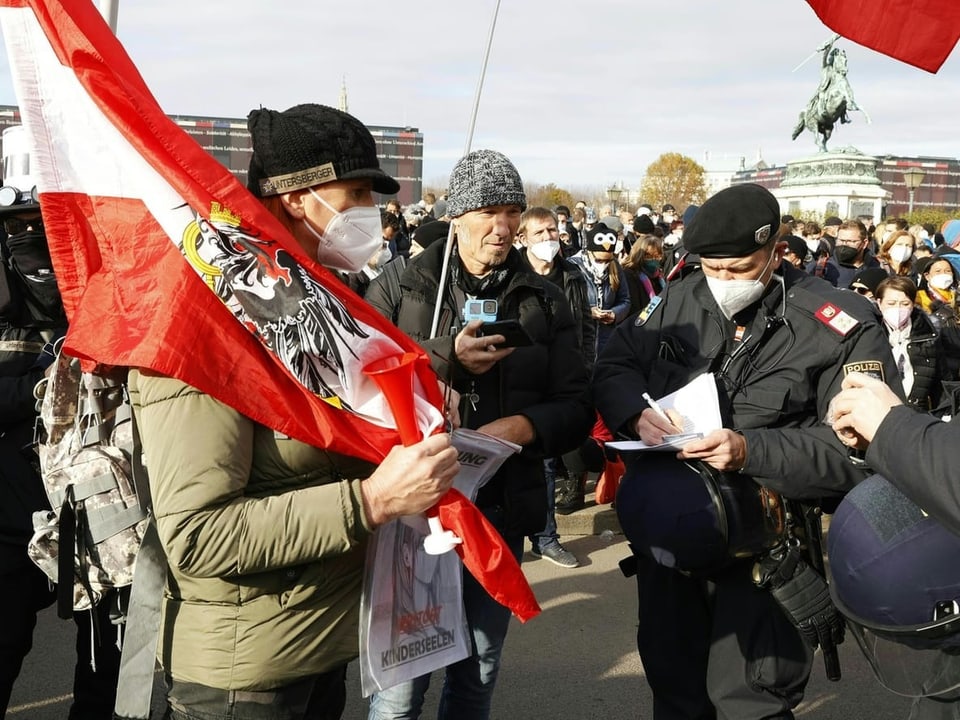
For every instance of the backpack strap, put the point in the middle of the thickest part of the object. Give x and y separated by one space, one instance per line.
139 655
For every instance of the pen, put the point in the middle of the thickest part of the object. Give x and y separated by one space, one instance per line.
655 406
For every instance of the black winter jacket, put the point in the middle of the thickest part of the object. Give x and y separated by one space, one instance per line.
545 382
928 358
575 288
21 490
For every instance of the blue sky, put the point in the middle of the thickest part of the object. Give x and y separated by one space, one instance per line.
579 94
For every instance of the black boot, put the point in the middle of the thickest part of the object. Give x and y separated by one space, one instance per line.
570 492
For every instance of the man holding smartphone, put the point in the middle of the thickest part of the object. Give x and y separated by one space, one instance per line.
530 393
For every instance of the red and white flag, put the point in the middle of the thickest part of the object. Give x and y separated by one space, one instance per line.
922 33
166 262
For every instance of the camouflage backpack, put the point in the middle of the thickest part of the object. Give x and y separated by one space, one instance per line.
87 461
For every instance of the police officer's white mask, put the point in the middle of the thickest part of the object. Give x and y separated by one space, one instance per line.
732 296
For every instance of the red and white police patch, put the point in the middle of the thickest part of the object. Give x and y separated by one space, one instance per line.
836 319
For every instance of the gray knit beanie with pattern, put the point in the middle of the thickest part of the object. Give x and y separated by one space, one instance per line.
483 178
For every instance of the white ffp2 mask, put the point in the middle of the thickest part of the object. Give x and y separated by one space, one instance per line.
350 238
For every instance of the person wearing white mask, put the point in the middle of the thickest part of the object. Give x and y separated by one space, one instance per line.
540 237
779 344
938 289
266 535
916 345
938 298
896 253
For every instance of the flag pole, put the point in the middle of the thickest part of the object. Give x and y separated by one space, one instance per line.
445 267
109 10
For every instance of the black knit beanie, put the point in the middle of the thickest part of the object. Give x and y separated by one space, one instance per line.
310 145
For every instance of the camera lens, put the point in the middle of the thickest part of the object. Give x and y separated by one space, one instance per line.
489 307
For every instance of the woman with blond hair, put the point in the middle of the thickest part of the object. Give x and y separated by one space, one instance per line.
896 253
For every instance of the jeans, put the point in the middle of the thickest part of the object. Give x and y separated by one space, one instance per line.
318 697
468 685
551 468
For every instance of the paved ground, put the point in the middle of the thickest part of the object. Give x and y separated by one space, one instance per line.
576 661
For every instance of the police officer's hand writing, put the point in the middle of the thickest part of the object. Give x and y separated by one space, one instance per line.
410 479
651 427
724 450
478 354
858 409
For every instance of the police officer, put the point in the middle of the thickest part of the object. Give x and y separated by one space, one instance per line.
894 543
779 342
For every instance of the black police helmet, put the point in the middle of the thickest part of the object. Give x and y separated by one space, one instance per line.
693 518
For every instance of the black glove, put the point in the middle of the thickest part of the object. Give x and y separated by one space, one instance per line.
804 597
806 600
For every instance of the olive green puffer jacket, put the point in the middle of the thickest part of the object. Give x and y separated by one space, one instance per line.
265 539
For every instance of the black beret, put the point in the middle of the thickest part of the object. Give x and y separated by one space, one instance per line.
643 225
668 208
832 221
797 246
737 221
430 232
309 145
869 278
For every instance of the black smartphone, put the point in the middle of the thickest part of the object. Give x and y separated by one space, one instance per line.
512 330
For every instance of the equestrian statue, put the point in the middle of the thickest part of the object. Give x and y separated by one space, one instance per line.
833 99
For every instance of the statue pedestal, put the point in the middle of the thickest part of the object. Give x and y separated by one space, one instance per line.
841 183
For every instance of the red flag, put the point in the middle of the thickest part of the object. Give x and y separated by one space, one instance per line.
166 262
922 33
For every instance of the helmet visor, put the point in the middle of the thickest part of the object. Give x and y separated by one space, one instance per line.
913 667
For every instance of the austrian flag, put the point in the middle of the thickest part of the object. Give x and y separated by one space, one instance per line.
166 262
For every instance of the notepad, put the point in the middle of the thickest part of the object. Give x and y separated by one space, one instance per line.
697 403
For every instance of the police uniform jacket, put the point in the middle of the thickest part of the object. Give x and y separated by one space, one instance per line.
797 343
546 381
920 454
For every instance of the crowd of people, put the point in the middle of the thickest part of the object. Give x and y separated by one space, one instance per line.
811 333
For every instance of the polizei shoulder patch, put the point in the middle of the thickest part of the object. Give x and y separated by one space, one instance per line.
873 368
836 319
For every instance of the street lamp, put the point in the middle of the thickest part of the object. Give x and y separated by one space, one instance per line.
912 177
613 193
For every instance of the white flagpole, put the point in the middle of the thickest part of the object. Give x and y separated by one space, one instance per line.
109 9
445 268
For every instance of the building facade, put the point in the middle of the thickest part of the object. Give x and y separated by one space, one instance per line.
939 188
